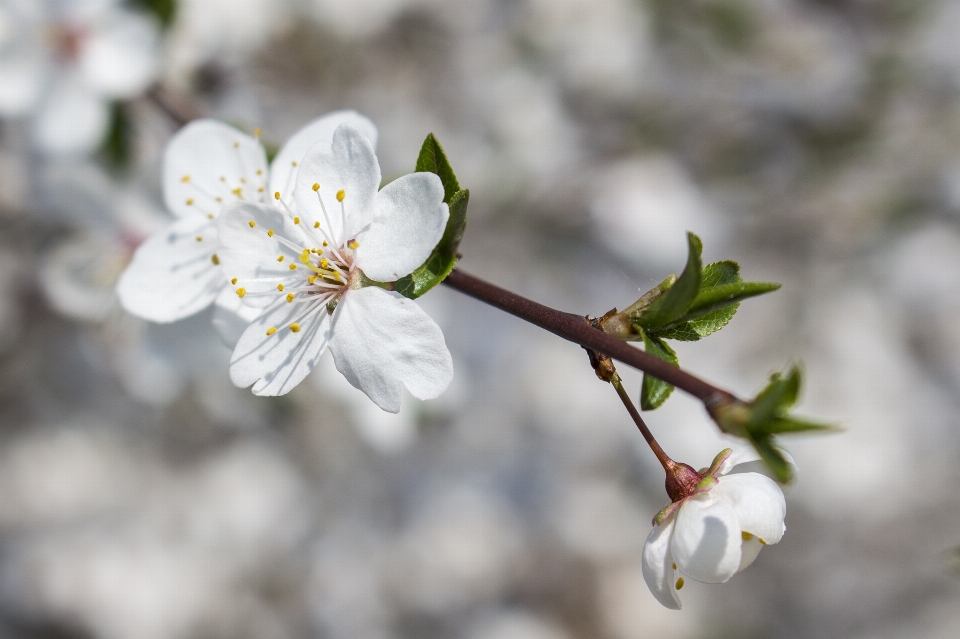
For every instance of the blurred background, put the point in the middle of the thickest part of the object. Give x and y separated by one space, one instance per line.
817 142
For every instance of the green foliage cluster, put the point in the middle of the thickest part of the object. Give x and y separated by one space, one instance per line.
701 301
766 416
432 159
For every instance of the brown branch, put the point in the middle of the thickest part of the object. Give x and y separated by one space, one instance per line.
576 329
173 105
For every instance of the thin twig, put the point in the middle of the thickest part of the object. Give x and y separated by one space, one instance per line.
575 329
173 106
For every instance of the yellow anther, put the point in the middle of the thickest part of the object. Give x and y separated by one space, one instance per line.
293 267
316 225
243 180
219 199
280 259
236 145
290 297
215 259
271 330
269 232
313 250
199 238
760 539
237 191
280 287
340 195
674 566
252 223
336 275
241 291
276 195
324 263
305 256
233 281
353 244
295 327
189 201
746 536
296 220
316 186
679 583
209 216
312 279
185 179
223 178
324 242
261 190
259 171
293 163
257 132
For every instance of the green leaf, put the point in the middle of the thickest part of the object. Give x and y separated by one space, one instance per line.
718 273
432 159
164 10
443 258
654 392
674 303
779 425
780 394
718 297
773 458
117 146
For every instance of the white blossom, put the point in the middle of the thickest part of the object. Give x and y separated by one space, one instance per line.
309 270
64 61
207 165
716 531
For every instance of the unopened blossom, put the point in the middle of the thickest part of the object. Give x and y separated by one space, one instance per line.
310 271
715 526
63 61
208 165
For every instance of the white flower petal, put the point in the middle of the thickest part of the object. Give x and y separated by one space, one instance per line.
658 567
204 165
72 118
382 341
349 165
22 76
252 255
231 316
706 539
172 275
410 219
276 363
283 171
748 552
121 55
758 503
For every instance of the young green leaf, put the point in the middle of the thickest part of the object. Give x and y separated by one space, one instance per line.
677 299
773 458
444 257
779 425
432 159
774 400
164 10
654 392
117 146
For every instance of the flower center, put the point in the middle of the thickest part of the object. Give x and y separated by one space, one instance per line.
323 270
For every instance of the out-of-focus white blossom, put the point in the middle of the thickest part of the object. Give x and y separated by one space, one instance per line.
63 61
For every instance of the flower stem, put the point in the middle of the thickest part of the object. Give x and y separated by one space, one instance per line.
576 329
665 461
